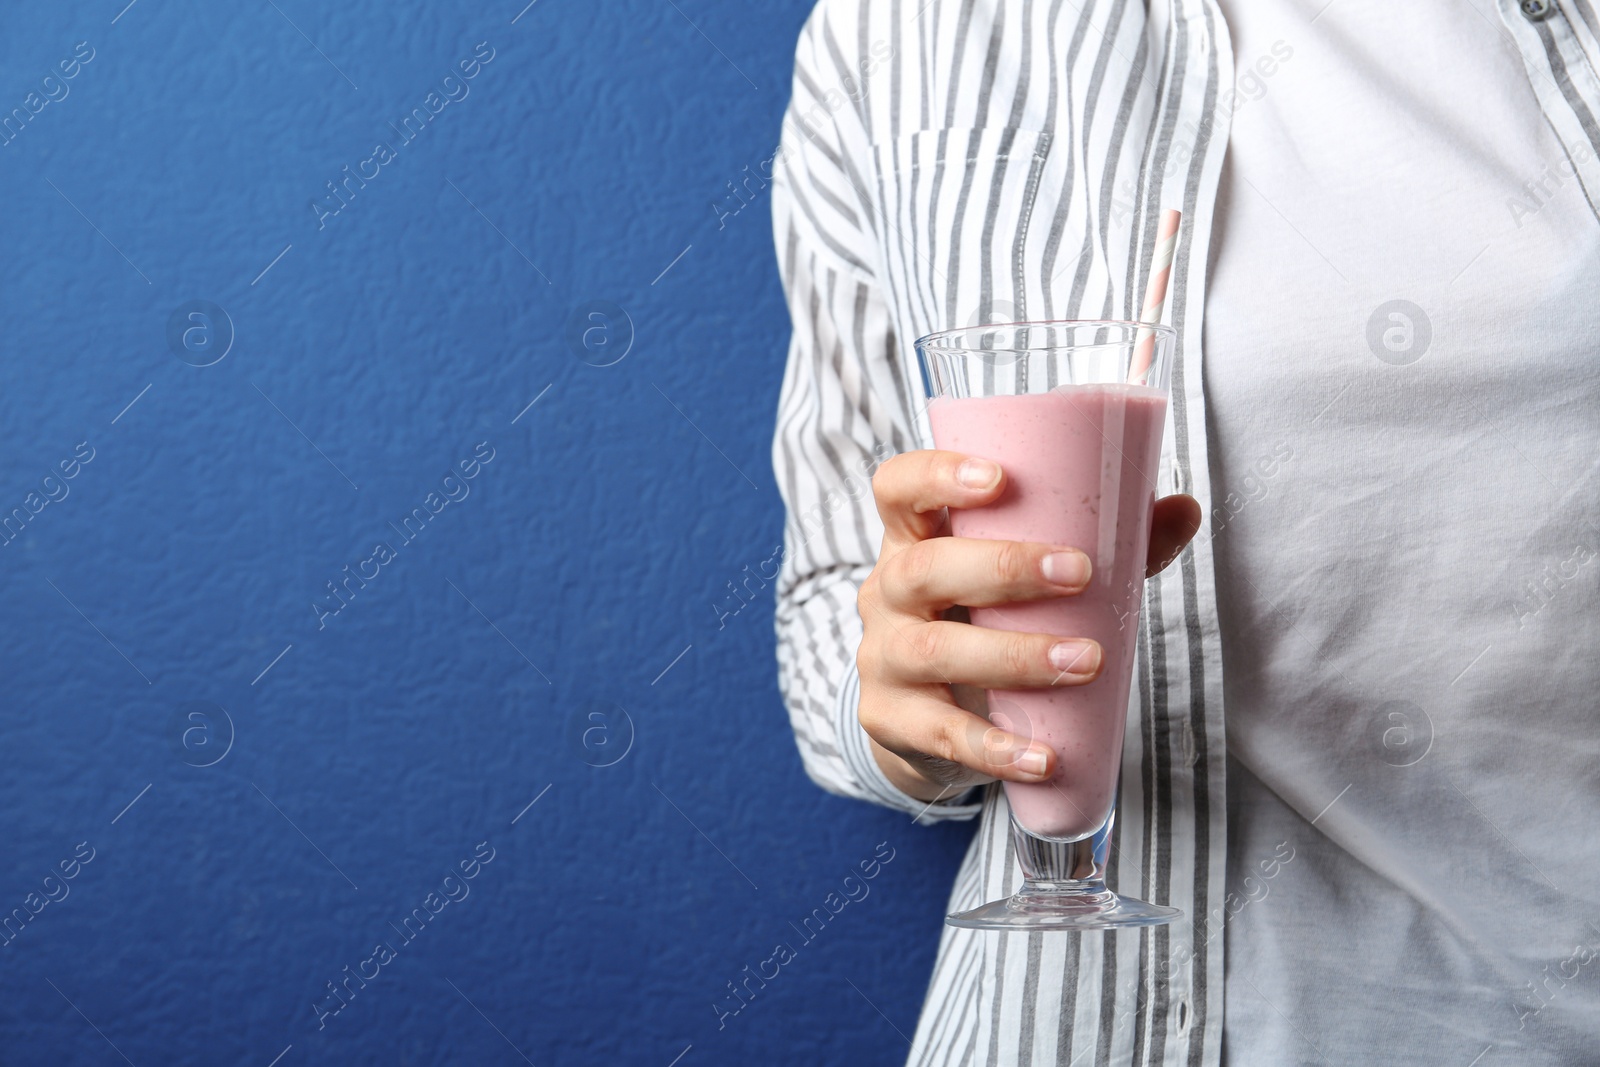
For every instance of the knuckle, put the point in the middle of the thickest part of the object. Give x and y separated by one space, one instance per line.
871 716
914 570
868 659
1013 562
928 644
867 595
948 740
888 476
880 481
1018 657
877 659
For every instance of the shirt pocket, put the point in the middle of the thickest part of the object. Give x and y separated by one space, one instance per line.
956 230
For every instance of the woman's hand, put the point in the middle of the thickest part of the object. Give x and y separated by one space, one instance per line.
923 668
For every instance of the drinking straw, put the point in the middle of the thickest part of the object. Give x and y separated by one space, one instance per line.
1155 294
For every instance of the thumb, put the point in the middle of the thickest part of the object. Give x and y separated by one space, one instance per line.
1173 524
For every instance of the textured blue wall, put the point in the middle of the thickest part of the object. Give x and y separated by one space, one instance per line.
265 787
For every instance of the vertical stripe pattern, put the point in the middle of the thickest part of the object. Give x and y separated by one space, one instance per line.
946 164
1560 53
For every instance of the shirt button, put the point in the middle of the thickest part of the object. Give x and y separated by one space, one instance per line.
1537 10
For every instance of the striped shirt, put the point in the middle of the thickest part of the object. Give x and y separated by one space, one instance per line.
945 164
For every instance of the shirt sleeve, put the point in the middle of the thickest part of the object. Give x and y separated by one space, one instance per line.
845 407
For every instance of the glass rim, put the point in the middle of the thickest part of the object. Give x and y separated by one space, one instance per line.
937 340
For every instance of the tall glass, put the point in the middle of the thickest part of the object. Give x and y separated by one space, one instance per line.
1073 412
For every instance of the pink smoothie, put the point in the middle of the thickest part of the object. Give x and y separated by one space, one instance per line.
1081 463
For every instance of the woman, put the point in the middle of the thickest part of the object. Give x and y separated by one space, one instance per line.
1362 749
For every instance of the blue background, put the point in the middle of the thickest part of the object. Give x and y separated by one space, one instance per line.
161 613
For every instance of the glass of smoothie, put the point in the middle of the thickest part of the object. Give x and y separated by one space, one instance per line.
1073 412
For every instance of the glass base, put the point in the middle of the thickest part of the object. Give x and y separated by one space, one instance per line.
1063 888
1086 905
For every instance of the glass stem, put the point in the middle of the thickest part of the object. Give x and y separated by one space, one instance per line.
1073 865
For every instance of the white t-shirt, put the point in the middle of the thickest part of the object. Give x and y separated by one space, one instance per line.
1404 393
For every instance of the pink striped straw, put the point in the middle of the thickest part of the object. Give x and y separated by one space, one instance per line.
1155 294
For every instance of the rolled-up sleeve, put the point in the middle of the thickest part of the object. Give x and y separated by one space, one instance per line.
845 407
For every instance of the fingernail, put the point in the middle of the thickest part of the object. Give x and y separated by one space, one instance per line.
1069 568
1032 761
1075 657
978 474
